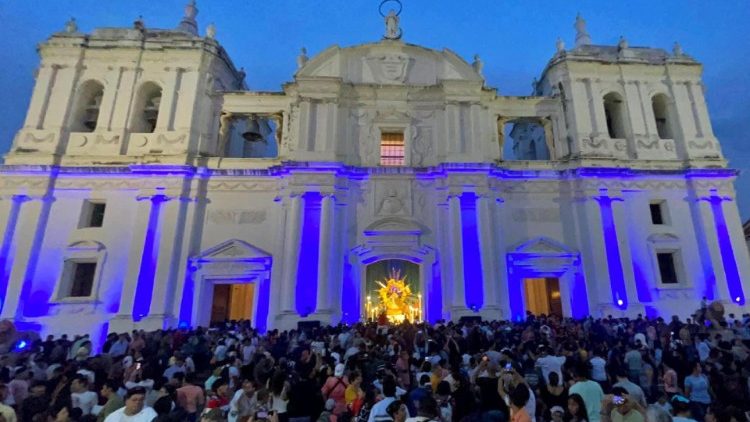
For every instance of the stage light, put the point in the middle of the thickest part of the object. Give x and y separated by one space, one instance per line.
619 302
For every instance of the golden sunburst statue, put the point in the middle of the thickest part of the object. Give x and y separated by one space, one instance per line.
397 301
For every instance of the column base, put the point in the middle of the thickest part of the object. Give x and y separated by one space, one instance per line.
325 316
461 311
633 309
285 321
121 324
157 322
491 313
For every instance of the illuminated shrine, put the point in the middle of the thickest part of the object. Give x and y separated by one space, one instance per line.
150 187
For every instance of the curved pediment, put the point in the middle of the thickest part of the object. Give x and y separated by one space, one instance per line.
663 238
393 226
389 63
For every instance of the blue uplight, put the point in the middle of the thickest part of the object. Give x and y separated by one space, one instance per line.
612 247
734 282
145 288
472 255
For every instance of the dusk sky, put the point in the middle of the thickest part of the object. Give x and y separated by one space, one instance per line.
514 39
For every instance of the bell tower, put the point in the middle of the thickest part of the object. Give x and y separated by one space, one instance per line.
126 95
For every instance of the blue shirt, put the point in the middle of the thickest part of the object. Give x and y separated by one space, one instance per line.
698 386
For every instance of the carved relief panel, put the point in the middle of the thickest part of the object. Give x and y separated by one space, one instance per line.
392 197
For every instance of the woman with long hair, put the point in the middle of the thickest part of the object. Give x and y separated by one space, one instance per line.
576 409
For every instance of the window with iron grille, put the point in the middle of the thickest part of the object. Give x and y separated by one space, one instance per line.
392 149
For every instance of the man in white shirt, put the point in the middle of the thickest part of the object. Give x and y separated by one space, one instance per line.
549 363
81 396
378 411
135 409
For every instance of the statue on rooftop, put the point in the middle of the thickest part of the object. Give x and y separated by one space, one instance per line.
71 26
211 31
582 36
392 31
560 45
302 58
478 64
677 50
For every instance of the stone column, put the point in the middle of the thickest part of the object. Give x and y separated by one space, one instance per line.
170 259
325 243
11 212
169 97
40 98
741 285
718 229
23 257
455 243
147 211
612 250
291 253
490 307
502 284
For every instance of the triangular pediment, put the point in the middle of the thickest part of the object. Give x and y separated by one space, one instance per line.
543 246
234 249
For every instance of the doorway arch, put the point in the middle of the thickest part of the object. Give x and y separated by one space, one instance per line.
232 262
391 238
542 258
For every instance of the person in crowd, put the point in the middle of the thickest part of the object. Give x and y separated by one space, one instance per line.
468 369
244 402
81 396
635 392
698 390
681 409
36 403
553 394
620 407
135 409
113 400
354 394
519 397
191 397
397 411
590 391
335 388
6 412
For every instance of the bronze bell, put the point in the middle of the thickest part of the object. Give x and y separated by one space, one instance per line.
252 133
91 113
151 112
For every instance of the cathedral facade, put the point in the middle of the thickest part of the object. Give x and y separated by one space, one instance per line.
149 188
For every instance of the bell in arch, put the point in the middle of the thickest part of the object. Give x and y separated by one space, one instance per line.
91 114
252 132
151 112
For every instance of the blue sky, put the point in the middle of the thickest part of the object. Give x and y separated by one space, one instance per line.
515 38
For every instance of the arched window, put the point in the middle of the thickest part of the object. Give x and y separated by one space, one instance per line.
146 111
614 113
86 114
660 105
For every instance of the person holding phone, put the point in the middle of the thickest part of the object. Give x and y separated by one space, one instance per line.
623 407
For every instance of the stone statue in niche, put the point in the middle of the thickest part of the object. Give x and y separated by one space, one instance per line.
391 204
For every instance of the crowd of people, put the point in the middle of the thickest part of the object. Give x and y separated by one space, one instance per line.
538 370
